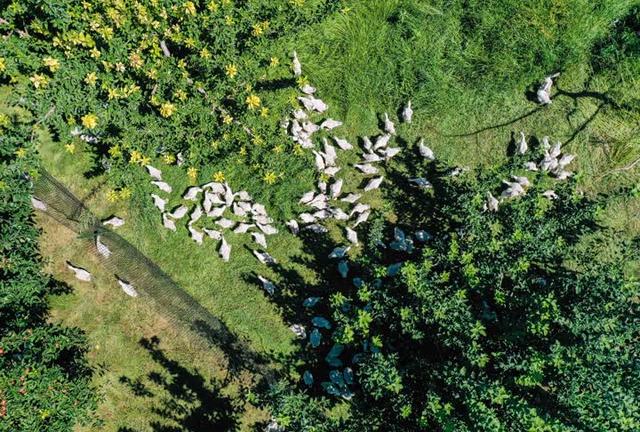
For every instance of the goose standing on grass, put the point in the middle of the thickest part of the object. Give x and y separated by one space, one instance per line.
308 89
425 151
155 173
267 285
264 257
102 248
389 127
492 203
163 186
550 194
192 193
225 250
362 218
260 239
297 67
330 124
37 204
351 198
352 236
522 144
196 235
114 221
544 92
407 113
293 226
374 183
158 202
179 212
343 143
127 288
366 168
165 50
79 272
216 235
336 188
168 223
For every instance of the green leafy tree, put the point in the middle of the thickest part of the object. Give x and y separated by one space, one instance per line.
45 381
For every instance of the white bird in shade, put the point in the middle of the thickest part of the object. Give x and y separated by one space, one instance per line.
260 239
339 252
158 202
421 182
514 189
267 229
492 203
381 141
366 168
330 123
391 152
267 285
243 227
389 127
163 186
351 198
179 212
316 229
299 331
192 193
216 235
127 288
37 204
79 272
563 175
293 226
367 144
102 248
550 194
524 181
168 223
362 218
544 91
352 236
264 257
360 208
113 221
374 183
165 50
308 89
407 113
522 144
322 214
225 223
425 151
155 173
343 143
196 235
225 250
307 197
336 188
297 67
531 166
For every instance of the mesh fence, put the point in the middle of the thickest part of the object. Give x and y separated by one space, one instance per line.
152 284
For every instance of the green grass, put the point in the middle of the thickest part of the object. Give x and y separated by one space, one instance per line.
466 72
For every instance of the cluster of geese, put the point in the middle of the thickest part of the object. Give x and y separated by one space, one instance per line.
553 162
213 200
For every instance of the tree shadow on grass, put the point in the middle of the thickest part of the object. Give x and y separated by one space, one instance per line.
184 400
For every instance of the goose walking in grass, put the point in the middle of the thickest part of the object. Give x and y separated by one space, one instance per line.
391 152
524 181
531 166
563 175
556 150
38 205
381 141
225 250
179 212
264 257
196 236
389 127
243 227
293 226
371 158
297 67
79 272
544 92
196 214
192 193
343 143
352 236
127 288
360 208
491 203
336 189
339 214
330 124
225 223
165 50
168 223
362 218
522 146
308 89
267 229
425 151
550 194
163 186
113 221
319 161
216 212
307 218
228 195
155 173
102 248
366 168
158 202
351 198
565 160
373 184
260 239
307 197
332 171
513 189
311 103
267 285
407 113
213 234
367 144
215 187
